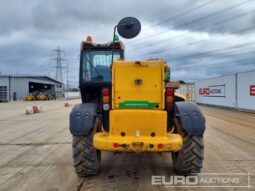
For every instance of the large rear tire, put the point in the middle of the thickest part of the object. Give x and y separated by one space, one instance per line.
190 158
86 159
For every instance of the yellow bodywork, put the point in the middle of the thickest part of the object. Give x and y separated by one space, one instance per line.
41 97
137 131
151 74
29 97
138 121
180 96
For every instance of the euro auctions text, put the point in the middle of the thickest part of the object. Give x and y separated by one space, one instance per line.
204 180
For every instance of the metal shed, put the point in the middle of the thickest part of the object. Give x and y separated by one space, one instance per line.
16 87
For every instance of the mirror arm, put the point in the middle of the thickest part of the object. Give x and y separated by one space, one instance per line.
113 41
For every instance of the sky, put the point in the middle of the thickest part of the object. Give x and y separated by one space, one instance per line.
198 39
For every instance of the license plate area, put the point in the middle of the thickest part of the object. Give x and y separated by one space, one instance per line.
138 146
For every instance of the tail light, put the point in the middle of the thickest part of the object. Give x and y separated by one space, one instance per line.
169 99
106 98
160 146
115 145
170 91
106 91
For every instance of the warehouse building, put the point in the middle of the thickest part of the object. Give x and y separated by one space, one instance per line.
16 87
235 91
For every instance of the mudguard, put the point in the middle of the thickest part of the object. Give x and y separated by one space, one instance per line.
191 118
82 118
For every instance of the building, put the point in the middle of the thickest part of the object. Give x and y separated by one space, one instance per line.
16 87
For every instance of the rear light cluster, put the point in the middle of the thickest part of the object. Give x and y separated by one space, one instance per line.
106 98
169 99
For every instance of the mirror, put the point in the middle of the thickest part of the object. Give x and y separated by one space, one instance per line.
129 27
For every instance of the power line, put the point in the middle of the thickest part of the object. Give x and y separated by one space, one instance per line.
197 68
193 43
213 51
161 11
199 19
195 56
169 50
180 15
213 64
213 56
43 65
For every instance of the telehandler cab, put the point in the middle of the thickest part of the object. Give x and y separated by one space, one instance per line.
127 107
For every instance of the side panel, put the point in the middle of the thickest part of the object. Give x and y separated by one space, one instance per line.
20 87
246 90
191 117
82 118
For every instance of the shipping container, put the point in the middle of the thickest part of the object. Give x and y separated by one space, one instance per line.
187 90
246 90
72 95
235 91
217 91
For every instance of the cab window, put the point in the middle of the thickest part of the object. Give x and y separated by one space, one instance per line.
96 65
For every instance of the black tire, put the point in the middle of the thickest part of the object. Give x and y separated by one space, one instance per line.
190 158
86 158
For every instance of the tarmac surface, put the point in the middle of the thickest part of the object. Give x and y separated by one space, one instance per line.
36 153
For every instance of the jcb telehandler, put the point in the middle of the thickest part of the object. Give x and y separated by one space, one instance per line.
127 107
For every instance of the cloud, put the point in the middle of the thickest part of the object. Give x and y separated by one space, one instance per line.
30 30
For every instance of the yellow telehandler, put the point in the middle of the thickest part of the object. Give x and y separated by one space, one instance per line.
127 107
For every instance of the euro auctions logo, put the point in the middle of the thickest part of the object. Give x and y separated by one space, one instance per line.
214 180
252 90
213 91
204 91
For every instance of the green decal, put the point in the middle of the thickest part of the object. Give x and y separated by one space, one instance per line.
137 104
